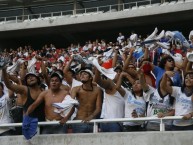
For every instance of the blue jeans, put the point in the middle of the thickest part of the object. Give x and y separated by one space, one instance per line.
111 127
82 128
182 128
54 129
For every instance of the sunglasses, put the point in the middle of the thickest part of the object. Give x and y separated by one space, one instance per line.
170 60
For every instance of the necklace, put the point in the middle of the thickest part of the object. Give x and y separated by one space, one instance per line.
53 94
88 89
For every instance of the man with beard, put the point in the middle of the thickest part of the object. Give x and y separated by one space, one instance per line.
89 98
29 93
53 95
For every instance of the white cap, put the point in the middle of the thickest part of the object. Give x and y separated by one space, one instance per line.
87 71
189 56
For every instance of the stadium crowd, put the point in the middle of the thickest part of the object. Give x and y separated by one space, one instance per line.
131 77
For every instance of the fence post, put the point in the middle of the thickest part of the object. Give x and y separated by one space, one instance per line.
95 127
162 125
38 130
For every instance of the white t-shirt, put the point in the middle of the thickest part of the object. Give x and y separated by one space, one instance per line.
134 103
75 83
5 106
183 106
114 106
120 38
157 104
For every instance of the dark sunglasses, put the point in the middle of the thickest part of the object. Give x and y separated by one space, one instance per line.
170 60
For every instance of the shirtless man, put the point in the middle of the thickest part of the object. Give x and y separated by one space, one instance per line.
89 98
53 95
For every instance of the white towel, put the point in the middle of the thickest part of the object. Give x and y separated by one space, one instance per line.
191 34
109 73
31 65
15 67
65 106
153 35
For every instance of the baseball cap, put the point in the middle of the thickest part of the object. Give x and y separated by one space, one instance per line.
88 71
56 74
33 74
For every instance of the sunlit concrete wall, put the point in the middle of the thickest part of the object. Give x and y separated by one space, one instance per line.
77 19
140 138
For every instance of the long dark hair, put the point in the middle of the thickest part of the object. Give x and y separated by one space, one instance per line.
2 86
184 84
134 92
171 98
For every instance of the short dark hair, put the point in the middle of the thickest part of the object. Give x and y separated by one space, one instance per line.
164 60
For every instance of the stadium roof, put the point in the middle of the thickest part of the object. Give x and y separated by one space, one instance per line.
21 3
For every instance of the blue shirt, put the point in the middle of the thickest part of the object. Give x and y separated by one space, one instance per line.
158 72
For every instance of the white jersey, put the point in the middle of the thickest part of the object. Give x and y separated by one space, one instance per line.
157 104
183 106
114 106
4 111
134 103
76 83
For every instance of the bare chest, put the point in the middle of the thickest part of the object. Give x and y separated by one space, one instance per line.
86 96
50 99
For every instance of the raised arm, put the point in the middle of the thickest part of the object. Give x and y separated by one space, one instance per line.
115 58
14 79
67 67
127 61
184 64
15 88
146 53
101 82
119 82
66 72
23 70
142 81
167 88
45 73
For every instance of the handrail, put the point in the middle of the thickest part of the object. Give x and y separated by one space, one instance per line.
85 10
96 121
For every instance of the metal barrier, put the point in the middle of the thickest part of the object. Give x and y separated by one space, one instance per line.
97 121
108 8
